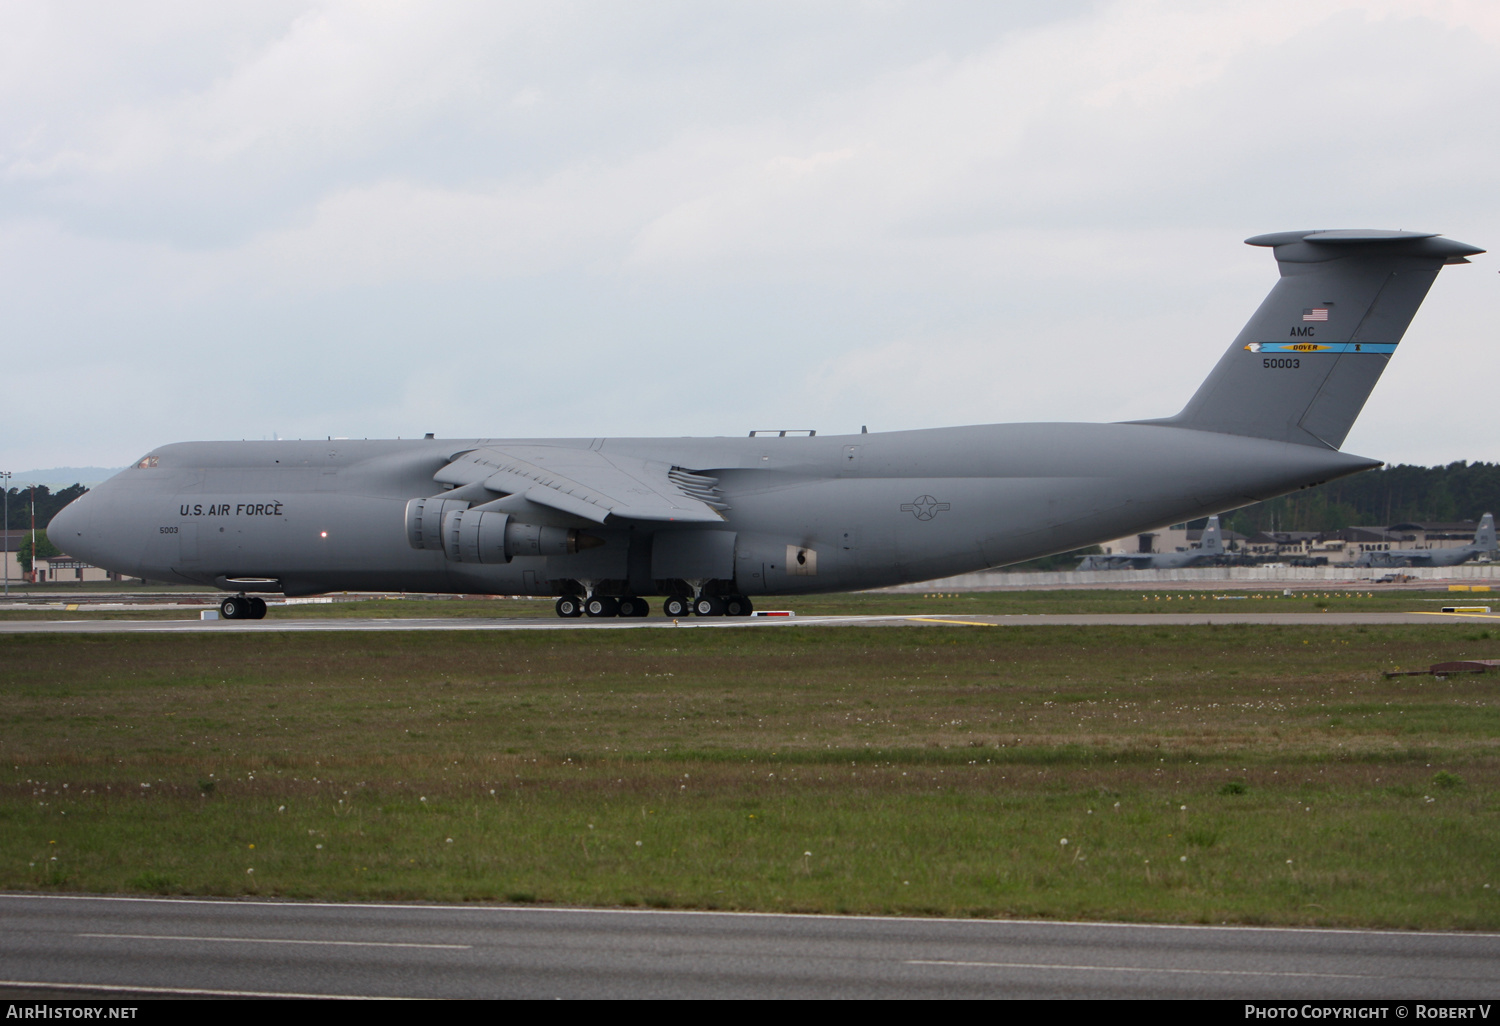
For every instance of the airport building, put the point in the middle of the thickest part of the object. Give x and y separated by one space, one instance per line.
1334 548
65 569
61 569
1169 539
10 544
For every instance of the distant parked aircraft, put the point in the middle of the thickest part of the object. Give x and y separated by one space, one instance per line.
1209 548
1484 542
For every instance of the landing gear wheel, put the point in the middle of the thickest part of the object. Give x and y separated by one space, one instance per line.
632 606
569 607
738 605
708 605
257 608
235 608
602 605
675 606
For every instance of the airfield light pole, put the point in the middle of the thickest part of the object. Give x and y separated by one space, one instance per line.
33 534
5 487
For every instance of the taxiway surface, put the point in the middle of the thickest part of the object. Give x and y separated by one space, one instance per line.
76 945
100 626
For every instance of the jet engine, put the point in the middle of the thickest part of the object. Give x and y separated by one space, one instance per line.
485 536
488 536
424 520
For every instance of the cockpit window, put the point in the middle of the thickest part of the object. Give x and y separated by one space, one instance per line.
147 462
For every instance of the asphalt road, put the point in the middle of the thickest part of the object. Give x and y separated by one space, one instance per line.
62 946
94 626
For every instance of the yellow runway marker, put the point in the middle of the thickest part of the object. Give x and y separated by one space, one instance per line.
956 623
1475 616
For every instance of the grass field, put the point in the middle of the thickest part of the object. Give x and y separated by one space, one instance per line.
1195 774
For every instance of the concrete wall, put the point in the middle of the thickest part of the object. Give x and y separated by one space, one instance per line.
1235 576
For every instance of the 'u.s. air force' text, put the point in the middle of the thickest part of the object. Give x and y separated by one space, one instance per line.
222 509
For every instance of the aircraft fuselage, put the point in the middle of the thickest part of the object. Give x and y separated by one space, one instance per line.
805 514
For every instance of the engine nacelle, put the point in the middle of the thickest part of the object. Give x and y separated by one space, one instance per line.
424 520
487 536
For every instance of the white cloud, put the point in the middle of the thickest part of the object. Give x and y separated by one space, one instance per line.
679 218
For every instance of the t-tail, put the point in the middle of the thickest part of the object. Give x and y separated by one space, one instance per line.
1304 365
1484 537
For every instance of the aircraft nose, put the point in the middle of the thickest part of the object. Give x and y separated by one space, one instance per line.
69 529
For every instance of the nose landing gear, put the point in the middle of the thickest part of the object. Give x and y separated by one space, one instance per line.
243 607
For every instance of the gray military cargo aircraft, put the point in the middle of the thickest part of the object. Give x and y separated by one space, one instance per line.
1482 545
712 523
1209 548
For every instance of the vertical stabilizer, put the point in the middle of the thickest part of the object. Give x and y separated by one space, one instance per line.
1304 365
1212 543
1484 537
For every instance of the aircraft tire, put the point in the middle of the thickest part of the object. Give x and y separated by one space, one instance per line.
235 608
569 607
708 605
257 608
676 606
632 606
601 605
738 605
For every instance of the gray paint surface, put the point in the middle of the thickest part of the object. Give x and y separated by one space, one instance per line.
485 952
793 514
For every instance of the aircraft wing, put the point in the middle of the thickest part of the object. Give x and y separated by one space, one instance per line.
589 484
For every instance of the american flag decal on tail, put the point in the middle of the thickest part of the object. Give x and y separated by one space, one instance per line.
1317 313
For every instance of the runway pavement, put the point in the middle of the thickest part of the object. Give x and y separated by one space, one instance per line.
99 626
65 946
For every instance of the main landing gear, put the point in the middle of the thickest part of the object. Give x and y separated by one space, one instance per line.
243 607
707 605
632 606
571 606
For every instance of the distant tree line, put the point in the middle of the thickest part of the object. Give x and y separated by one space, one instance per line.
47 505
1391 495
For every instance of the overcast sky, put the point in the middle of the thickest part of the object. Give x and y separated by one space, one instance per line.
505 219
